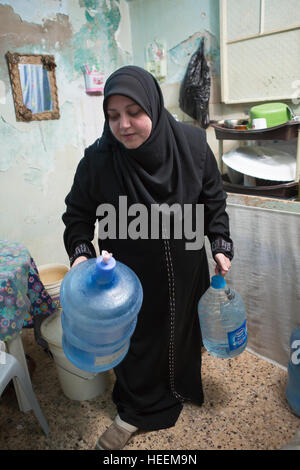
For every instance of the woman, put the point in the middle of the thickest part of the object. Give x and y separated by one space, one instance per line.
149 157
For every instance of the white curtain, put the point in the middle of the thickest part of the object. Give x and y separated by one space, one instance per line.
266 272
35 88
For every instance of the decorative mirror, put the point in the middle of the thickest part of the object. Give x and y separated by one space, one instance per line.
34 86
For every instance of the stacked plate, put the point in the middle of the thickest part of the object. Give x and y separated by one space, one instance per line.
259 162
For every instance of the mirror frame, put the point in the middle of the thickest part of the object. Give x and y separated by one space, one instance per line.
48 62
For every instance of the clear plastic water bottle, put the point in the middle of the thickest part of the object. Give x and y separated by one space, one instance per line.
293 385
223 320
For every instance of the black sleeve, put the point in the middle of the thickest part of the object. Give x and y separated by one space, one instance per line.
80 215
213 196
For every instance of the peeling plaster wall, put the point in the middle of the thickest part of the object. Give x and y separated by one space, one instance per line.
38 159
182 24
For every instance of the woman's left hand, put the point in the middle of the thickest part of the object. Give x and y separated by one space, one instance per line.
223 264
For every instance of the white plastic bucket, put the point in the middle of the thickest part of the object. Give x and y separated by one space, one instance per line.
51 276
76 383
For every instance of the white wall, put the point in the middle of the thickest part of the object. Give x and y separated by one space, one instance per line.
38 159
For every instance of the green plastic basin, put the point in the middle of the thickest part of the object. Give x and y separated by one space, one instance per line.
274 113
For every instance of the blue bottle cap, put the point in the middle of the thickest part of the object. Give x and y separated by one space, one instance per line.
218 282
105 266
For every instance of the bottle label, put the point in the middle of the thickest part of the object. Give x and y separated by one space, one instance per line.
237 337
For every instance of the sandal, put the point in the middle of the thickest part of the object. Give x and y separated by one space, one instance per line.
116 436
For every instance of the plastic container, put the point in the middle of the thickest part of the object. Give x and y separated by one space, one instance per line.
94 82
75 383
274 113
100 299
293 385
51 276
294 443
222 320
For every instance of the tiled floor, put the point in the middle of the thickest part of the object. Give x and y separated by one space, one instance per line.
245 408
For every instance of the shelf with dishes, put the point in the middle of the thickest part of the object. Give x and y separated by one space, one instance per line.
257 169
285 131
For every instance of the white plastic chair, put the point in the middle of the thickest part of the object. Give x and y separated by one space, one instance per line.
10 368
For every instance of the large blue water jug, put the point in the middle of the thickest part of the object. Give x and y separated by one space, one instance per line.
100 300
222 319
293 385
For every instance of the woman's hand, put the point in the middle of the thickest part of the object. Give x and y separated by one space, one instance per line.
78 260
223 264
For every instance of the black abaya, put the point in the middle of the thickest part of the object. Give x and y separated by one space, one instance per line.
162 368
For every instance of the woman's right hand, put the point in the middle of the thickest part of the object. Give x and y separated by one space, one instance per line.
78 260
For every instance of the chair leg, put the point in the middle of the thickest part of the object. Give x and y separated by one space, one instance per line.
15 348
14 369
28 390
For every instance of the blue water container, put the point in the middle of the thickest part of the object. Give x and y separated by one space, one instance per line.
100 300
293 384
222 319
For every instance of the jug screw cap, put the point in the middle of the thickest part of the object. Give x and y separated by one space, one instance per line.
218 282
106 256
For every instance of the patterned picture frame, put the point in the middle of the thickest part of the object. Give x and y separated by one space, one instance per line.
23 113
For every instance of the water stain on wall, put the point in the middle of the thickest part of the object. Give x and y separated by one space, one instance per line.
179 56
37 142
95 42
17 35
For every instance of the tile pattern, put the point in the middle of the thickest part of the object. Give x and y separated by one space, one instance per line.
245 408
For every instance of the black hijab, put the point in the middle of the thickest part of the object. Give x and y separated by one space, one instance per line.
163 169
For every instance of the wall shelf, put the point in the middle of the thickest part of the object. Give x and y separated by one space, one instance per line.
286 131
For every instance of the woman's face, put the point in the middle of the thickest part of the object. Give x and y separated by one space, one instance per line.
128 122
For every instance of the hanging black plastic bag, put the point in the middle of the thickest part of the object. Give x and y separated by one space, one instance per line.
195 88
